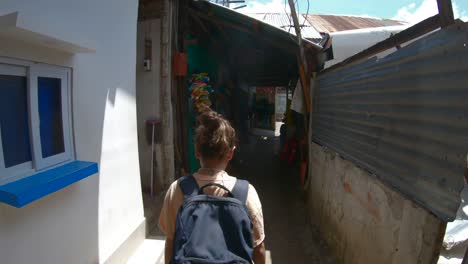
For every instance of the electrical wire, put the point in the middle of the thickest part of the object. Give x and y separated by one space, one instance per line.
306 14
291 23
286 12
289 20
298 13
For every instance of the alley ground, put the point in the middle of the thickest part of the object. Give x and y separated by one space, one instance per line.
289 236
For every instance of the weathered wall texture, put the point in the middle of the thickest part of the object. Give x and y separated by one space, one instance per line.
148 90
167 117
154 90
364 221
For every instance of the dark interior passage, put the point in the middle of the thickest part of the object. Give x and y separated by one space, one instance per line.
289 236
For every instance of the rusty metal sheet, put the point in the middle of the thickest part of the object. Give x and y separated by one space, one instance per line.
284 21
404 118
335 23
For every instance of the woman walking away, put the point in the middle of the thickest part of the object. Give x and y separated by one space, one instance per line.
210 216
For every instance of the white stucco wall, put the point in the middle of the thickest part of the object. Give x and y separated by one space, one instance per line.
89 220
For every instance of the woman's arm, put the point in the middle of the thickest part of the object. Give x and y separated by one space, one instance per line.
168 251
259 254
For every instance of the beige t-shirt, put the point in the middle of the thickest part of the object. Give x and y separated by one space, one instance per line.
174 199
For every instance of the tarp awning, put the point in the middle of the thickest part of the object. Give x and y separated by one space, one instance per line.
261 53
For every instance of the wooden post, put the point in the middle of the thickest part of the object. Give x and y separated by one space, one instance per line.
445 12
302 63
465 258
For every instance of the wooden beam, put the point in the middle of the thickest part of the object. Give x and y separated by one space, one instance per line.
445 12
465 258
406 35
301 61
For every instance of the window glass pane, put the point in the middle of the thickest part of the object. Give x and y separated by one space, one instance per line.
50 116
14 120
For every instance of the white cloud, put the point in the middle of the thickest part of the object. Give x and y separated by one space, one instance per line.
462 14
414 14
274 6
278 6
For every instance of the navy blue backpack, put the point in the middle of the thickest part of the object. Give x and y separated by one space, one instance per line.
213 229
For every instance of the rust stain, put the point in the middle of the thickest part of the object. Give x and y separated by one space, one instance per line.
316 162
368 204
371 206
334 23
347 187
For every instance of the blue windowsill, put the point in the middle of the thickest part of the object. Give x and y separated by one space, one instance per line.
27 190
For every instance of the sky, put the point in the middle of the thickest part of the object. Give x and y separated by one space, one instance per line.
411 11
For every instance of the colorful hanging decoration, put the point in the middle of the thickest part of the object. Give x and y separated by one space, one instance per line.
200 91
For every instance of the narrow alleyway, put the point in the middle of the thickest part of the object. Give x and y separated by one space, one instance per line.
289 237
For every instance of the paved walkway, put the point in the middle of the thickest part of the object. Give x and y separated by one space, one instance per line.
289 237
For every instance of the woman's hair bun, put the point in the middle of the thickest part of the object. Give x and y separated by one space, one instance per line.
210 119
214 136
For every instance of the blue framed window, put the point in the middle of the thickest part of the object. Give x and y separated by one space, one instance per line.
35 130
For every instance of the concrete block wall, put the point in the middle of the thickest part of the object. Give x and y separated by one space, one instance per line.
363 220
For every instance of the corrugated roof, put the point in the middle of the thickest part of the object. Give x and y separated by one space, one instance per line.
285 22
314 25
334 23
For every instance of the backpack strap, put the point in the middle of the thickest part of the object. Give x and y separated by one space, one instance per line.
240 190
189 186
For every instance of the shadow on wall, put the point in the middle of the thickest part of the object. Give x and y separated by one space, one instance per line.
120 200
111 93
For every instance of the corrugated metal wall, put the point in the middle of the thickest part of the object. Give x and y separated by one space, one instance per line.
404 118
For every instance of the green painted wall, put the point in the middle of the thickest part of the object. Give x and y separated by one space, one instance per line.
199 60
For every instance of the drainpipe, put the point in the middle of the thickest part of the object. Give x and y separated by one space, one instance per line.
167 125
